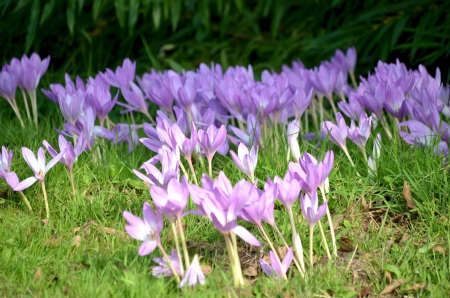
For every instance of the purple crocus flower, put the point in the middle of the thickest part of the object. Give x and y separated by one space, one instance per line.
88 129
147 230
288 189
171 202
246 161
422 135
360 135
324 80
276 269
193 274
136 101
163 270
211 140
125 133
183 92
123 76
5 161
71 105
70 153
310 207
33 69
101 99
323 168
338 133
8 86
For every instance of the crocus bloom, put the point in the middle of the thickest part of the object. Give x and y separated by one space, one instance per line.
163 270
360 135
276 269
171 202
16 185
70 153
246 161
33 69
288 189
338 133
212 139
193 274
38 164
5 161
422 135
147 230
122 77
71 105
310 207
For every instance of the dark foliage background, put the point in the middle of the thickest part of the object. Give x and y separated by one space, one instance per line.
85 36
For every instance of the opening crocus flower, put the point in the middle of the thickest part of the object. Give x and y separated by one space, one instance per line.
123 75
147 230
163 270
276 269
193 275
310 208
246 161
171 202
293 131
5 161
211 140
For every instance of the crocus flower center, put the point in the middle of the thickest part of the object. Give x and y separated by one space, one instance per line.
41 174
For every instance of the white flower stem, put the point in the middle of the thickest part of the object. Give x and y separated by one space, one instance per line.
237 262
183 243
34 106
324 241
210 167
330 223
287 246
47 209
24 96
232 257
297 250
73 185
191 166
311 254
25 200
177 246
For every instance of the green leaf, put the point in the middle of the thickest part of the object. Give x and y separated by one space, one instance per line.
120 12
175 13
80 5
427 247
204 12
393 269
96 8
70 12
133 15
174 65
398 29
31 30
48 8
156 14
150 55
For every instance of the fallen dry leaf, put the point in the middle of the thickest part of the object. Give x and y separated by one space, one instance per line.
388 277
76 230
112 232
406 193
76 241
337 221
395 284
266 259
438 249
345 244
365 291
38 274
251 271
206 269
281 251
364 203
44 221
415 287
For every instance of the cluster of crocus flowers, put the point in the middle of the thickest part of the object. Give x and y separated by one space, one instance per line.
39 167
25 74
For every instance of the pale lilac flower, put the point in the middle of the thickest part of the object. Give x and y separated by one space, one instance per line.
246 161
163 270
171 202
360 135
338 133
5 161
310 207
33 69
122 77
70 153
147 230
193 274
135 99
38 165
71 105
276 269
125 133
422 135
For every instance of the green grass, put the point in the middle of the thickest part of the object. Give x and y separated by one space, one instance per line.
74 255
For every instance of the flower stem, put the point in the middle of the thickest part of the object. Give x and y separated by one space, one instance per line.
263 232
73 184
25 200
32 95
231 256
311 231
324 241
330 223
183 243
287 246
237 262
47 209
191 166
298 250
177 246
210 167
26 103
174 272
